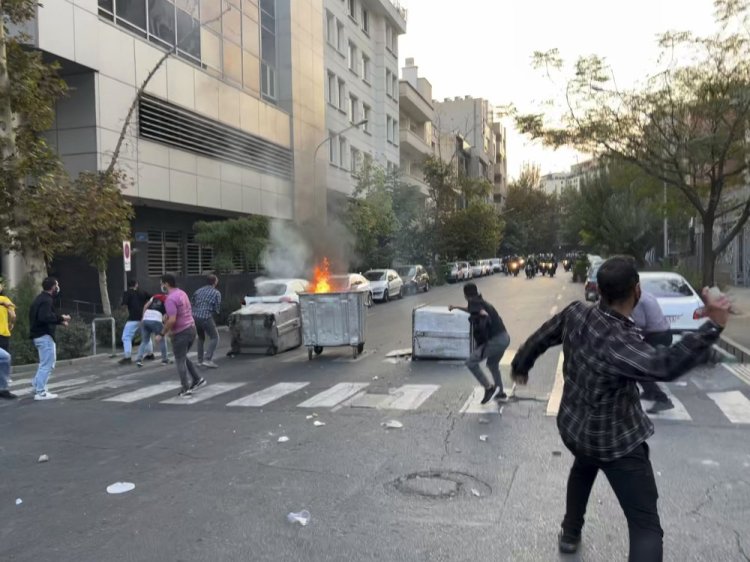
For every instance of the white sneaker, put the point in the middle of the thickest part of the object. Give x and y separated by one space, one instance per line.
210 365
45 396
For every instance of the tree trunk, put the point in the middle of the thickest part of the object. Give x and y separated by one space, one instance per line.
709 256
104 291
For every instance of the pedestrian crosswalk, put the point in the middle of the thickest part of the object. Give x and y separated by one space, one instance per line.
695 398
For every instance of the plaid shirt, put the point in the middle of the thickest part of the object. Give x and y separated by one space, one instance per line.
206 302
604 356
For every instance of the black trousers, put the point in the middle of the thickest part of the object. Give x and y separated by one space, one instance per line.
5 343
656 339
632 480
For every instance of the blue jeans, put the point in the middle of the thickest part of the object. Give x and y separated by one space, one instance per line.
47 349
4 369
128 333
151 328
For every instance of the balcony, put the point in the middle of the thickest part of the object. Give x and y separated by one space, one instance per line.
413 105
413 144
391 9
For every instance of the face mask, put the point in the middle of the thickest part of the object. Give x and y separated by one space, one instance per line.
56 290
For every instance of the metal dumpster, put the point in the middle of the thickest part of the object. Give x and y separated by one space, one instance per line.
438 333
333 320
265 328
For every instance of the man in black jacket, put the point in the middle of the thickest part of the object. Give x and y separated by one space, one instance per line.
600 419
43 321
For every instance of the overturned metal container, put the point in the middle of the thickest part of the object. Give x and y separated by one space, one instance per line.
265 328
438 333
333 320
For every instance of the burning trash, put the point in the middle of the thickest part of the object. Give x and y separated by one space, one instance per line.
322 277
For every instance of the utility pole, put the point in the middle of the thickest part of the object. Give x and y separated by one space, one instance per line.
666 225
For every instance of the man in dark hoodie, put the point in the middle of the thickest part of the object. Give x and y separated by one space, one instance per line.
43 322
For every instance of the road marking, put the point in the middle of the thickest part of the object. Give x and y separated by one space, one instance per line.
553 310
740 371
408 397
337 393
268 395
678 413
20 382
54 385
733 404
474 404
113 384
204 393
553 406
145 392
508 357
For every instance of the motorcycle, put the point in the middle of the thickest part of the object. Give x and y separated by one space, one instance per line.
514 267
567 265
530 273
552 269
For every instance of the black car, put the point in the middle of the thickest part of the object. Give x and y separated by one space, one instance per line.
415 278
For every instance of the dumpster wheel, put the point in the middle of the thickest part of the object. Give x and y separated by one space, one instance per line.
360 348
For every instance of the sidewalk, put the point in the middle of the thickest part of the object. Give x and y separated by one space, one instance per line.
737 333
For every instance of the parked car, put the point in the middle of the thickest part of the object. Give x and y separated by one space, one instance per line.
477 269
385 284
679 302
277 290
458 271
352 282
497 265
591 289
486 267
415 278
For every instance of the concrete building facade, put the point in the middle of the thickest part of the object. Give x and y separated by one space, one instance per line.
417 135
361 84
227 126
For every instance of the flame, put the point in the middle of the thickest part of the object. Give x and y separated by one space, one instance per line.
321 277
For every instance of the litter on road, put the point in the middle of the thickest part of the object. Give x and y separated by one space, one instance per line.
303 517
475 492
317 423
483 437
19 501
392 424
283 439
120 487
43 458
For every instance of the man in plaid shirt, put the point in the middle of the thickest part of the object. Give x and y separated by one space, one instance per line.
207 303
600 419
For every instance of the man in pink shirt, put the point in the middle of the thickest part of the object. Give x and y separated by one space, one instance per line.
181 326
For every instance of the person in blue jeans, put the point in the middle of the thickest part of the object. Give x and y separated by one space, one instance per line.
153 325
5 375
43 322
134 300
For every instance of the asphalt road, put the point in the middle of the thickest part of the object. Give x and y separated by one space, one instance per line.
212 482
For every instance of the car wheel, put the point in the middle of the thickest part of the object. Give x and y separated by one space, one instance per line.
368 300
427 287
386 296
402 292
318 349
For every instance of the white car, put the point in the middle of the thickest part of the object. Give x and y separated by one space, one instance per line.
385 284
497 265
678 300
477 268
352 282
278 290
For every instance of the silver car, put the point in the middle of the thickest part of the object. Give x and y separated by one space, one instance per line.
679 302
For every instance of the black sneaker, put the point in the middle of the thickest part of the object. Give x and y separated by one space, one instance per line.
125 361
198 384
7 395
647 396
661 407
185 393
149 357
502 397
568 544
488 394
139 362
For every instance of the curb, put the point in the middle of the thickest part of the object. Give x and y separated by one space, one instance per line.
738 350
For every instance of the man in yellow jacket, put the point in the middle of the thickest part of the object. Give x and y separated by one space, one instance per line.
7 321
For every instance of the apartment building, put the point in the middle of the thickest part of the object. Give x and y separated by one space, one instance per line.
555 183
417 137
500 179
361 89
227 127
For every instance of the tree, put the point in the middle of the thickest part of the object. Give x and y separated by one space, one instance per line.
234 241
472 233
29 88
443 190
685 126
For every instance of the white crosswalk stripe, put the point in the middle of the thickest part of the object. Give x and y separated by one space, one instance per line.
678 413
334 395
408 397
205 393
55 385
474 404
741 371
734 405
268 395
145 392
89 389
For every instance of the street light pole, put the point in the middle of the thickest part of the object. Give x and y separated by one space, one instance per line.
666 225
329 138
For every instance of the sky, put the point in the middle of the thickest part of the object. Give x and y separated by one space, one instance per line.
483 48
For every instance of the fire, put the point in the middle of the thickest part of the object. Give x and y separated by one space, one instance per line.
321 277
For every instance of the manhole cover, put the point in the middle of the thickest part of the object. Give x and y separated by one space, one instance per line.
436 484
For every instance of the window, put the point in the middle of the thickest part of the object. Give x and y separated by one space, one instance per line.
366 70
200 259
394 86
355 160
268 49
342 152
332 146
389 83
330 29
164 253
340 36
352 9
353 109
342 95
365 21
353 62
332 89
388 36
366 116
389 128
395 131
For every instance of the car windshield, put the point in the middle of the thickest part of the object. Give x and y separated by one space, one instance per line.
667 287
270 289
592 275
375 275
339 282
407 271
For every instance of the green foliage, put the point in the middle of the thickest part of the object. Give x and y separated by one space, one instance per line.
73 340
472 233
443 186
531 215
242 239
21 347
